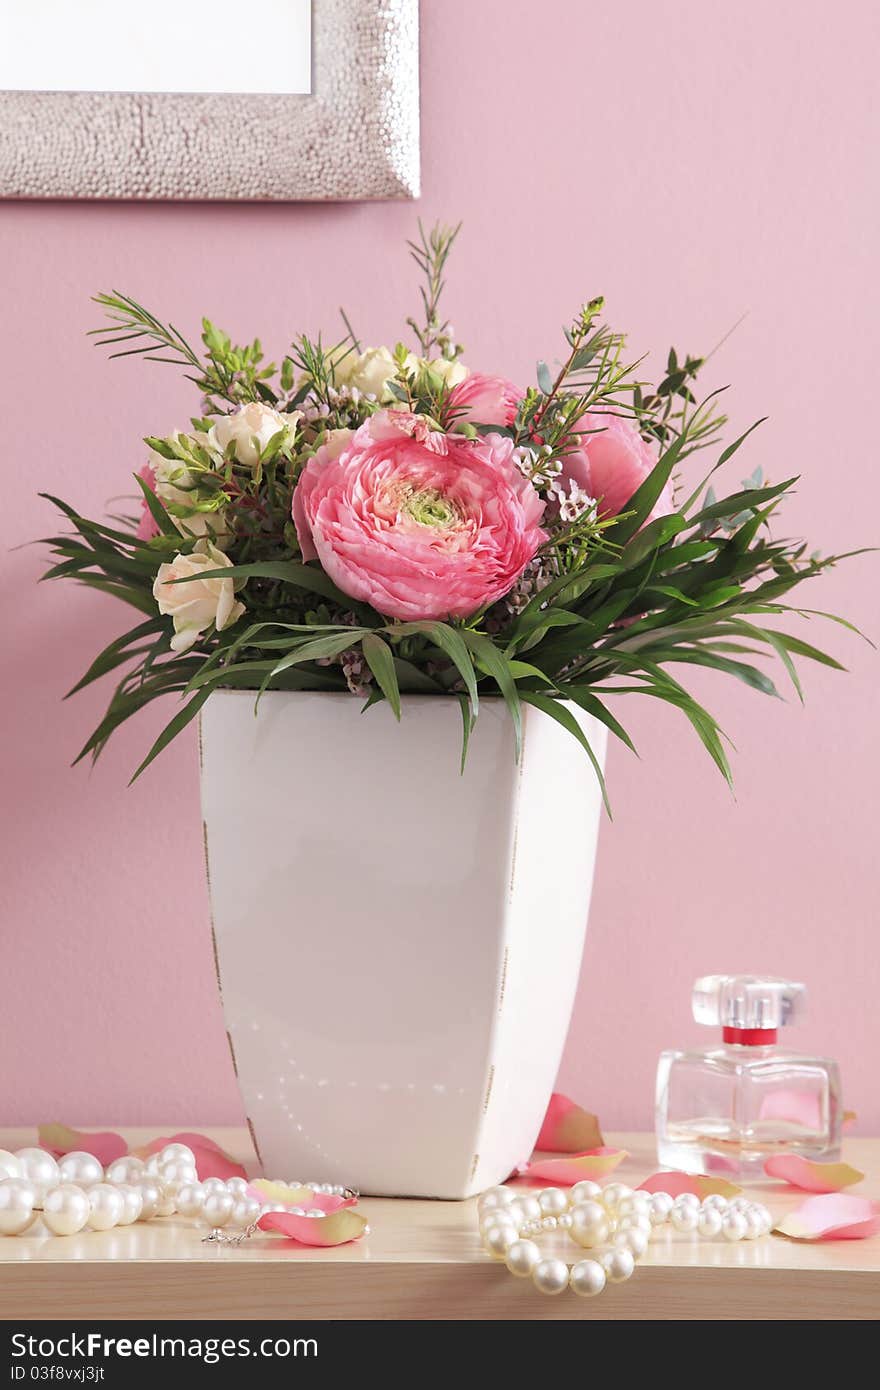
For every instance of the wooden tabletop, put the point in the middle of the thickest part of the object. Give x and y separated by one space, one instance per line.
424 1260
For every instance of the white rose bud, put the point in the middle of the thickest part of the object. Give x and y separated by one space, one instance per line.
201 603
452 372
251 427
368 372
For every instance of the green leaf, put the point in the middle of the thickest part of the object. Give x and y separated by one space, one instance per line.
157 511
490 660
381 663
564 716
117 652
641 504
449 640
594 706
320 647
173 728
545 380
741 501
308 577
467 719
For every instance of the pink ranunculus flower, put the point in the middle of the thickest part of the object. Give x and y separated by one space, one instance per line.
611 463
418 523
147 527
485 400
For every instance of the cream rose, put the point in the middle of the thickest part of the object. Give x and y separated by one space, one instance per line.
368 372
200 604
178 489
251 427
453 372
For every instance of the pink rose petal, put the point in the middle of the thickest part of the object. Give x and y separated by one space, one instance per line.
592 1164
832 1216
701 1186
338 1228
811 1177
61 1139
567 1128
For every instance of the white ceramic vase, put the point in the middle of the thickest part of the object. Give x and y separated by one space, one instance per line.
397 944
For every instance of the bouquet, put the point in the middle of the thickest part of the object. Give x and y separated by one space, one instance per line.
383 521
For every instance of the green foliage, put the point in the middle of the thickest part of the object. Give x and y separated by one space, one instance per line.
613 606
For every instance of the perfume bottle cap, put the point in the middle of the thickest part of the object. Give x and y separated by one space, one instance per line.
749 1008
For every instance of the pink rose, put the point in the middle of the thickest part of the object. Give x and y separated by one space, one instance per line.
418 523
147 527
485 400
611 463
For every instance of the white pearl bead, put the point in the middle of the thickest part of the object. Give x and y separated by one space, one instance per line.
17 1198
635 1241
686 1199
529 1205
733 1225
65 1209
177 1171
151 1196
754 1224
550 1276
167 1203
498 1240
549 1223
589 1224
106 1206
191 1199
495 1197
127 1170
498 1216
521 1257
584 1191
684 1219
587 1278
618 1265
564 1221
218 1208
40 1168
614 1193
553 1201
237 1185
153 1166
661 1206
635 1223
715 1203
245 1210
177 1153
214 1185
10 1166
709 1223
80 1168
132 1201
766 1217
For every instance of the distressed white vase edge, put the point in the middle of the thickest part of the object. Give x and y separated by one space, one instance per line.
397 945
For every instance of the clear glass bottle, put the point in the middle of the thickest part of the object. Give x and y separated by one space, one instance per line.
726 1109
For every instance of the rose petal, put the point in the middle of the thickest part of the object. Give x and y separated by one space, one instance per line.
61 1139
594 1164
795 1107
849 1118
335 1229
211 1160
268 1191
698 1183
832 1216
567 1128
809 1176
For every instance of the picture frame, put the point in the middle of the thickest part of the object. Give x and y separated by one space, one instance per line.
354 136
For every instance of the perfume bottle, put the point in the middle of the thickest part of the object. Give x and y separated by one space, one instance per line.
726 1109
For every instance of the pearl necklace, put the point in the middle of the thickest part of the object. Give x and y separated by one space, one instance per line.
76 1191
615 1222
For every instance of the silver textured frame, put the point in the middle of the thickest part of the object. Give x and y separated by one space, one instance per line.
355 136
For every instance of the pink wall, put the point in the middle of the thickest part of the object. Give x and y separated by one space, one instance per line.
691 161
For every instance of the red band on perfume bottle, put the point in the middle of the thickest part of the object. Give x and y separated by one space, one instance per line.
749 1037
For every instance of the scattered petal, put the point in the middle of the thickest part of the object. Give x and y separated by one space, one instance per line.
267 1191
567 1128
337 1228
811 1177
832 1216
849 1119
801 1108
61 1139
593 1165
698 1183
